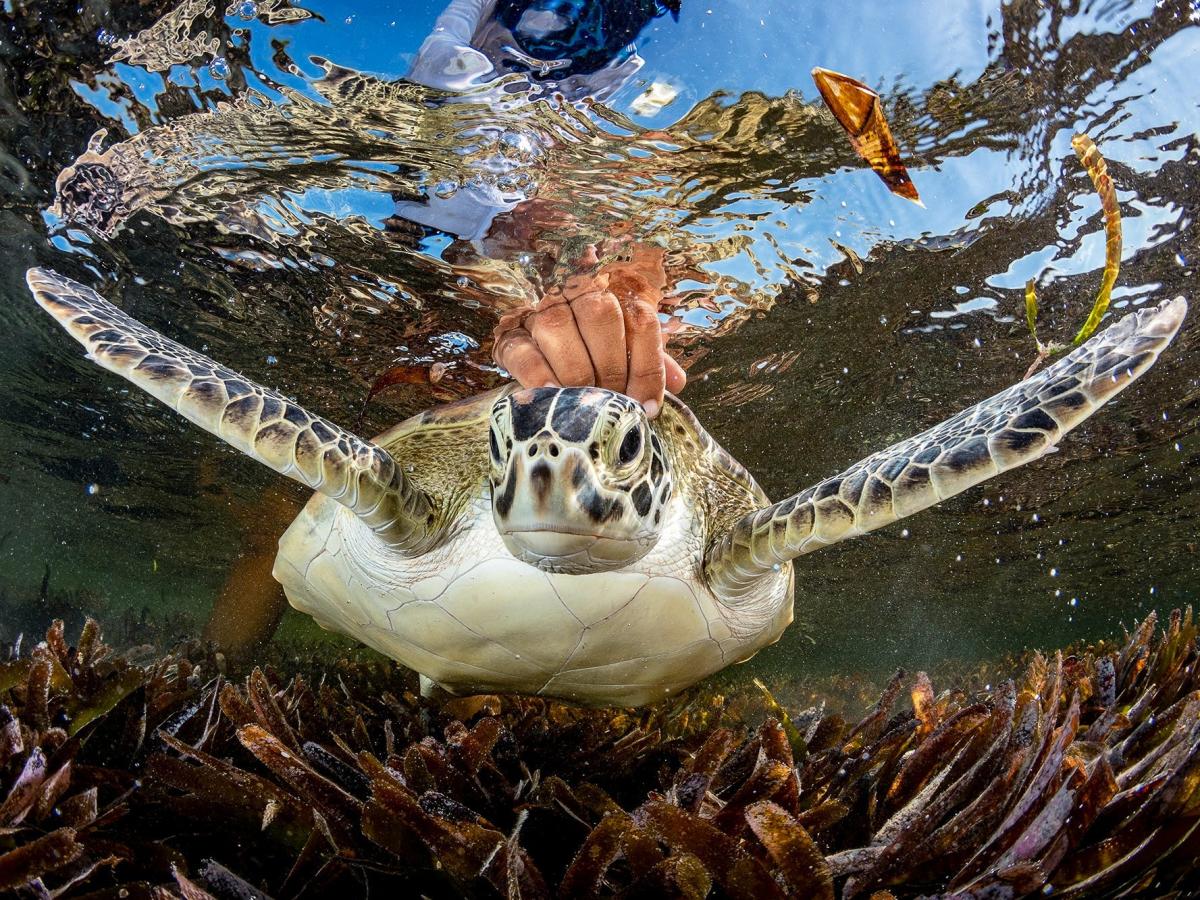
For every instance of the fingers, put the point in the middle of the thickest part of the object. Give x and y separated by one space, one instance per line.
556 333
586 334
676 377
601 323
517 352
647 369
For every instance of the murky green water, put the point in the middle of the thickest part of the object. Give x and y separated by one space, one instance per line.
262 191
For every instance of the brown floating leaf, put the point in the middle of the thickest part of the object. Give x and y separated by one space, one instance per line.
858 110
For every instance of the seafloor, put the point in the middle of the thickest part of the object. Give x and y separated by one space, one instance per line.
1079 777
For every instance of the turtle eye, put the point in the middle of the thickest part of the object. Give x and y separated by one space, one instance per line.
494 447
630 447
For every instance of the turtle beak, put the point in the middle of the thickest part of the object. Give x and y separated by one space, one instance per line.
550 512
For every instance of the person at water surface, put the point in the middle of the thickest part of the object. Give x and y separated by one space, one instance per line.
598 328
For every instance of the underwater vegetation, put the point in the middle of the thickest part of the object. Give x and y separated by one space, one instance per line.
138 634
1080 777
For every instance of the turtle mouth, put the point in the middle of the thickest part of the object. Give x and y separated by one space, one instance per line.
572 550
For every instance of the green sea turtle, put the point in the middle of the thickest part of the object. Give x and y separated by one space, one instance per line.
555 541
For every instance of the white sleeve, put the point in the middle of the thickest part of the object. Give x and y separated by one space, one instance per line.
446 59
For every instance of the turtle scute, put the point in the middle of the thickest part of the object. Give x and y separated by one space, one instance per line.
1079 777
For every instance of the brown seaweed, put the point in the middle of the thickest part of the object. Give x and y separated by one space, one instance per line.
1079 776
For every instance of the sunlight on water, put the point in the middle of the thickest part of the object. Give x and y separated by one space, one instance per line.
317 195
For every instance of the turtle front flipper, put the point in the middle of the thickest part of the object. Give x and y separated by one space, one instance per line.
260 422
1010 429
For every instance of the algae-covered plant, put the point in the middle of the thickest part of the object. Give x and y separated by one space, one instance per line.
1080 777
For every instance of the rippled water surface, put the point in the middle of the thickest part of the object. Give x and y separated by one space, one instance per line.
260 180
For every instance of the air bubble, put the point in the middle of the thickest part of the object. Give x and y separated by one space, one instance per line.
219 68
247 10
272 359
92 489
445 189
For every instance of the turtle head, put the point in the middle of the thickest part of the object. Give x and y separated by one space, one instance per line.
579 479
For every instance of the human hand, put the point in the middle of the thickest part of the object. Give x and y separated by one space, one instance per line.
597 329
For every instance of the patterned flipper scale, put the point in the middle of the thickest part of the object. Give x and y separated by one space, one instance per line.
1014 427
258 421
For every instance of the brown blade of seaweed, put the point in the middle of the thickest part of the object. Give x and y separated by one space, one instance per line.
785 721
924 705
209 797
384 829
738 874
858 110
84 711
267 711
1117 869
11 742
39 857
80 809
228 884
235 707
91 646
24 792
873 723
857 859
462 849
1046 825
823 816
693 781
470 749
336 769
188 889
56 641
1172 730
247 785
681 877
37 690
768 777
1029 801
512 872
75 873
1100 787
339 807
52 790
800 862
585 874
943 741
904 837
